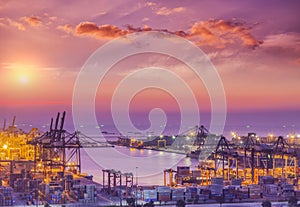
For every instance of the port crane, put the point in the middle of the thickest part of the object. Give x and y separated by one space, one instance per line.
58 149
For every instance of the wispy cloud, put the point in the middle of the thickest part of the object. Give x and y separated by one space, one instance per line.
149 3
23 22
33 21
145 19
166 11
16 24
65 28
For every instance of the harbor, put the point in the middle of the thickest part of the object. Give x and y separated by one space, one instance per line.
46 168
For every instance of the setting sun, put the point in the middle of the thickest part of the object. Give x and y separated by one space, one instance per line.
21 73
23 79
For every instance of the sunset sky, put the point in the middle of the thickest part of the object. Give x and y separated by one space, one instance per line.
254 46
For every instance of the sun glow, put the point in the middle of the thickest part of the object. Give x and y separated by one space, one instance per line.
21 73
23 79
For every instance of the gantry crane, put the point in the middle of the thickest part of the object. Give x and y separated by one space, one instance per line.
58 149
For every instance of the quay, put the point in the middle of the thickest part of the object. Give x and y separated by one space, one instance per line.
44 168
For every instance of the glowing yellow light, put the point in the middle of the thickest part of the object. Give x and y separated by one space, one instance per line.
5 146
23 79
22 73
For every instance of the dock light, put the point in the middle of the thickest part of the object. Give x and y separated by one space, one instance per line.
161 136
192 134
173 137
5 146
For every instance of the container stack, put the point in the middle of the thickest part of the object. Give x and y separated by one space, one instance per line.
6 196
13 177
254 191
84 193
297 193
68 182
287 190
264 180
216 190
149 195
270 191
229 193
193 191
204 193
78 192
90 193
163 193
178 194
19 185
236 182
216 187
56 197
242 192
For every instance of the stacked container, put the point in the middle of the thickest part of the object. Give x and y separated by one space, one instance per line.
254 191
150 195
287 190
6 196
163 193
270 190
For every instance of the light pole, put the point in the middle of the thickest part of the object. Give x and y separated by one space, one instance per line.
136 190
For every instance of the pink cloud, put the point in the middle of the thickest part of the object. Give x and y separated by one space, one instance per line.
103 31
166 11
221 32
215 33
33 21
66 28
13 23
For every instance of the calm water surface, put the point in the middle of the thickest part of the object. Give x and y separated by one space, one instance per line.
147 164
